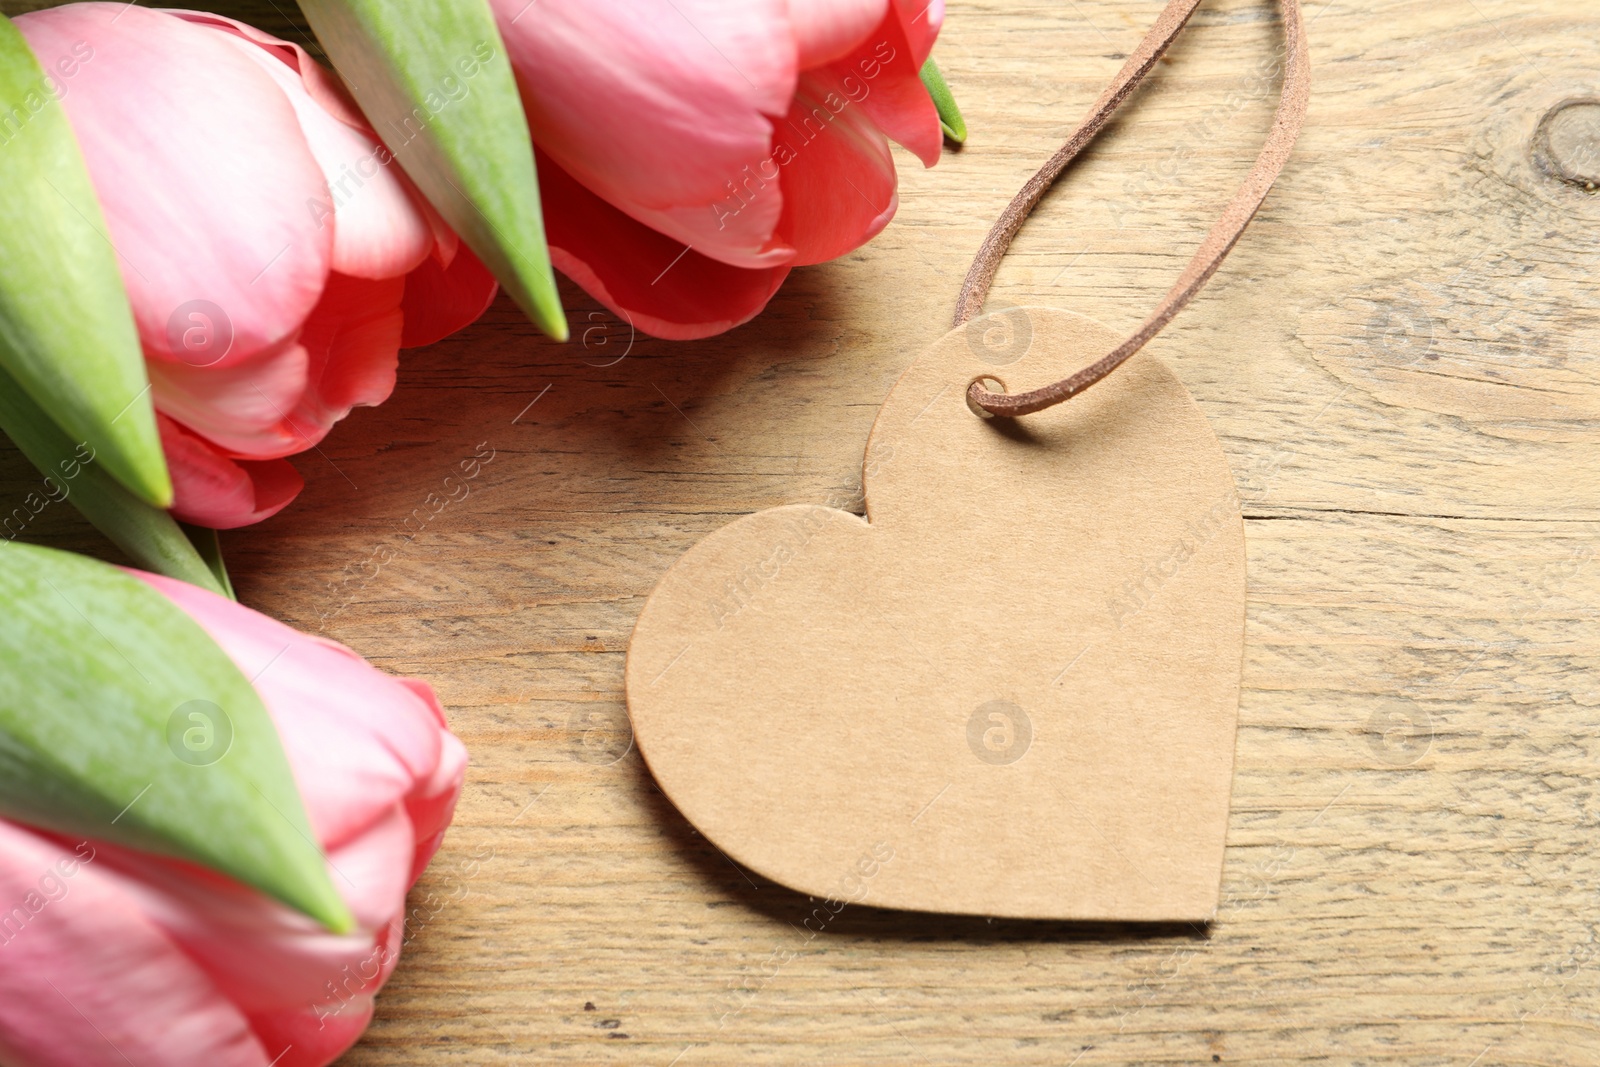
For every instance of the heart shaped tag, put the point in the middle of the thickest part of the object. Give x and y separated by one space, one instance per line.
1012 690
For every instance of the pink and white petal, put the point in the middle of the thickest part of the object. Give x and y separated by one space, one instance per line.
353 338
201 169
378 229
659 106
445 296
889 64
316 1033
373 869
210 489
657 285
241 405
825 30
347 158
838 174
323 86
257 952
358 740
356 754
88 981
260 954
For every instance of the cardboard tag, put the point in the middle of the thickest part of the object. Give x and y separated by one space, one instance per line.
1011 690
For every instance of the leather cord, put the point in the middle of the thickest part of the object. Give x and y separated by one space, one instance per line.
1224 235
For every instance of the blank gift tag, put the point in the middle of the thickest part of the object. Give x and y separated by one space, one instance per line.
1012 690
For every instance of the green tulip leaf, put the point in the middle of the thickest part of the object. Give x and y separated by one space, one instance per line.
436 83
122 721
72 472
950 120
66 331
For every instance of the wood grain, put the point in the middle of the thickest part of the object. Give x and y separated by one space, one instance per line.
1402 359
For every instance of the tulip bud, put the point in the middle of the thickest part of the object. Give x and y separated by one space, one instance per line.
114 950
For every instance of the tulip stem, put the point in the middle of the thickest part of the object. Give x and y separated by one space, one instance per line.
950 120
208 543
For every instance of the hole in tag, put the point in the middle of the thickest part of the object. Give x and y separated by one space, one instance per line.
989 382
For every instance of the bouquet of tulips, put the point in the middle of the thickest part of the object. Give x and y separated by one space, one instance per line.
212 249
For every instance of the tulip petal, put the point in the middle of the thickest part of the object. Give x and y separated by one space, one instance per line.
920 20
202 170
314 1037
664 108
286 399
353 338
360 757
314 1034
373 869
660 287
441 299
89 981
324 86
838 176
889 62
357 739
222 493
378 229
243 406
432 804
331 100
259 954
825 30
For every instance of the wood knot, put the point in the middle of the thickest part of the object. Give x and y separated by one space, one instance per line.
1566 146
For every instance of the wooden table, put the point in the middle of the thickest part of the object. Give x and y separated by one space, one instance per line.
1401 361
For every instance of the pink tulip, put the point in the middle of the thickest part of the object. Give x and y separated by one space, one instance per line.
692 151
275 263
110 956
